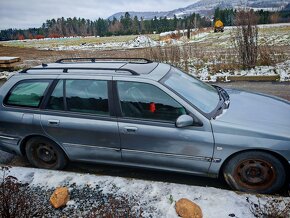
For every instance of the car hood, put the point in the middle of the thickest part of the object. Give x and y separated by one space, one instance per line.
257 110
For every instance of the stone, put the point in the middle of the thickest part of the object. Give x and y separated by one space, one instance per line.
60 197
187 209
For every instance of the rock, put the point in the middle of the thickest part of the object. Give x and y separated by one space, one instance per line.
60 197
187 209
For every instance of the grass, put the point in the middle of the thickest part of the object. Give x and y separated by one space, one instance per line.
51 43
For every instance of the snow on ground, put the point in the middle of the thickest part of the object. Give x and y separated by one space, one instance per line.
204 73
141 41
281 69
155 198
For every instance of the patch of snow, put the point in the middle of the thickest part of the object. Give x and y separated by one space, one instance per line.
153 197
141 42
200 37
281 69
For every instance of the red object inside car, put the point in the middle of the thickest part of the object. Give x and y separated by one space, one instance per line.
152 107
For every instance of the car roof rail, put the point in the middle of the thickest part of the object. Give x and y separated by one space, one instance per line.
93 60
66 69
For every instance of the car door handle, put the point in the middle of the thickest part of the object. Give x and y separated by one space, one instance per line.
130 129
53 122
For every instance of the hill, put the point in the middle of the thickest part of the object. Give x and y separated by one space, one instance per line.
206 8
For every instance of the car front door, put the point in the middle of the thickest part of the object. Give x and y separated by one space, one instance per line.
148 133
77 116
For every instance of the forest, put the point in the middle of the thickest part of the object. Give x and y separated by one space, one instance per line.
127 25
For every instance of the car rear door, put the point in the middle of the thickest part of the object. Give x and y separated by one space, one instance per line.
148 133
78 115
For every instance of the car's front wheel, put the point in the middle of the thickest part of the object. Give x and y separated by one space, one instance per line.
43 153
255 171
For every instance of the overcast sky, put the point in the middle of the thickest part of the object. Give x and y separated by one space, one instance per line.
32 13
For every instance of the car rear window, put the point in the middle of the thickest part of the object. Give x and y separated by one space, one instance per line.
27 93
82 96
87 96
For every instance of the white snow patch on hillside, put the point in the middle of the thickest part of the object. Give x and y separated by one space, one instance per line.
153 197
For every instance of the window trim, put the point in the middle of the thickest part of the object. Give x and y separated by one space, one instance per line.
50 81
119 107
48 94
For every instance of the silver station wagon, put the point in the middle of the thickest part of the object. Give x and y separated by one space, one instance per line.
136 112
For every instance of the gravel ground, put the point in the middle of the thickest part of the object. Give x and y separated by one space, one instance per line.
5 157
84 202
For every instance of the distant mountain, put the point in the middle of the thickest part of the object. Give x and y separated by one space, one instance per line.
206 8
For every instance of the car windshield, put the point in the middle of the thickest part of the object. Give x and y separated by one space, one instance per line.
198 93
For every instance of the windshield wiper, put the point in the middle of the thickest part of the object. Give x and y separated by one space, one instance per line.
224 102
223 93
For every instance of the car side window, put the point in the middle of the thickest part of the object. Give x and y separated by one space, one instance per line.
27 93
146 101
87 96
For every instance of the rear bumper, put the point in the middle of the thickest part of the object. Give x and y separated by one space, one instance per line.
10 144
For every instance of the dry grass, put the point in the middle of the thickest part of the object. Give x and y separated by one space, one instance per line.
53 43
273 208
205 50
15 200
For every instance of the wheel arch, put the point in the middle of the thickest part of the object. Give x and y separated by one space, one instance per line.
275 154
27 138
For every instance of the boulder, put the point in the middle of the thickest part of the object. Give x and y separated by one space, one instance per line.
187 209
60 197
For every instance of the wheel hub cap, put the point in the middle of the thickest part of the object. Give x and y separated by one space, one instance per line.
255 174
45 153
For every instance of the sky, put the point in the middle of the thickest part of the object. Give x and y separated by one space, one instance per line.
32 13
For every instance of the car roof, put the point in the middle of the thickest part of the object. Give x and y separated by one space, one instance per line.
143 68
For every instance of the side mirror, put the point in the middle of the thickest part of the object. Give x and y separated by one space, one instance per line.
183 121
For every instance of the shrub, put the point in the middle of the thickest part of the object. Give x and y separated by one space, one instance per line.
273 208
246 38
15 201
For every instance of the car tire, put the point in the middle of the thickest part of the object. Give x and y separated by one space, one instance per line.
43 153
256 172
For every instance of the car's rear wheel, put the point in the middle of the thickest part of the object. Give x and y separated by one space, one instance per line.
43 153
255 171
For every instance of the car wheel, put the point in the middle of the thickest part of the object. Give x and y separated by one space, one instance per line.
255 171
44 153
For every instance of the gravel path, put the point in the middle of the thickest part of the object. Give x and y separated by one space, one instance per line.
5 157
85 201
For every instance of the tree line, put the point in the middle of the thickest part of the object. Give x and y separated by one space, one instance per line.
228 16
128 25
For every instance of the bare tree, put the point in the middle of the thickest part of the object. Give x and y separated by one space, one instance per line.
246 38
